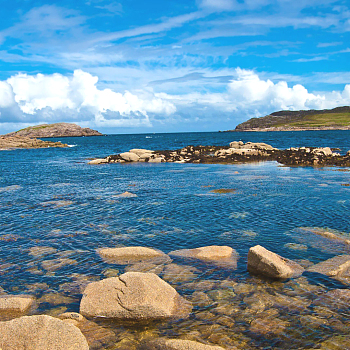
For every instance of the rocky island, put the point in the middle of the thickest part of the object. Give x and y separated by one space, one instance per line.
236 152
326 119
55 130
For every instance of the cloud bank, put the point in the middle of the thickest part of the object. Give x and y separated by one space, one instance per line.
31 99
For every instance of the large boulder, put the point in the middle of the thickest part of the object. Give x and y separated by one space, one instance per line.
40 332
176 344
264 262
332 267
221 255
127 255
133 296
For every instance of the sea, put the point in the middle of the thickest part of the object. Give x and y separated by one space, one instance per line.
56 211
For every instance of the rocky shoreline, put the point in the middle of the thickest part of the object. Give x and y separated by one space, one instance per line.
140 298
18 142
290 128
236 152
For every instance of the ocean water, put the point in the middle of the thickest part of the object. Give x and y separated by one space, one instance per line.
52 198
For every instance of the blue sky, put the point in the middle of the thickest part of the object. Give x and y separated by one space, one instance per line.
166 66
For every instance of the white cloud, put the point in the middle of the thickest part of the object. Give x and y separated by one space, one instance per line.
77 98
41 97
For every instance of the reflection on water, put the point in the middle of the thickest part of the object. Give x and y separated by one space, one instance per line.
56 211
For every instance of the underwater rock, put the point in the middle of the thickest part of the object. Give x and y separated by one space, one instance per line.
40 332
97 336
174 273
126 195
41 251
133 296
264 262
127 255
222 255
335 299
15 304
268 325
56 264
332 267
177 344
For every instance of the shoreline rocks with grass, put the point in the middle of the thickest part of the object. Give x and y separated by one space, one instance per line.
236 152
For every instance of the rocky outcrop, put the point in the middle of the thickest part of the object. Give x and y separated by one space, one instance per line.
133 296
14 142
299 120
177 344
55 130
264 262
332 267
40 333
222 255
127 255
237 152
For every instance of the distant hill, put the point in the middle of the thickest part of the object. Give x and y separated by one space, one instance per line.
327 119
55 130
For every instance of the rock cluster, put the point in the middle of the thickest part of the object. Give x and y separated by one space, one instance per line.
140 297
237 152
308 156
14 142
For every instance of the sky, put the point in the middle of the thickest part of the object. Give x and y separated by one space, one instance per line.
135 66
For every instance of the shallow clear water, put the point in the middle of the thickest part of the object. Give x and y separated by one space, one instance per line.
52 198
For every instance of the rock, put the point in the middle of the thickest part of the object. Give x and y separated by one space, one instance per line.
127 255
126 195
236 144
97 336
268 325
15 303
41 251
140 152
156 160
334 299
14 142
222 255
176 344
264 262
98 161
56 264
129 156
40 332
326 151
332 267
55 130
133 296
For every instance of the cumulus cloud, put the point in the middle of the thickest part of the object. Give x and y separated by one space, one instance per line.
77 98
50 97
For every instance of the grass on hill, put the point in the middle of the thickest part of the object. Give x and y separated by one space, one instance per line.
318 120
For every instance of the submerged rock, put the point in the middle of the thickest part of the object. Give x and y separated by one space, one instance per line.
133 296
335 299
97 336
127 255
222 255
177 344
40 332
332 267
264 262
15 304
